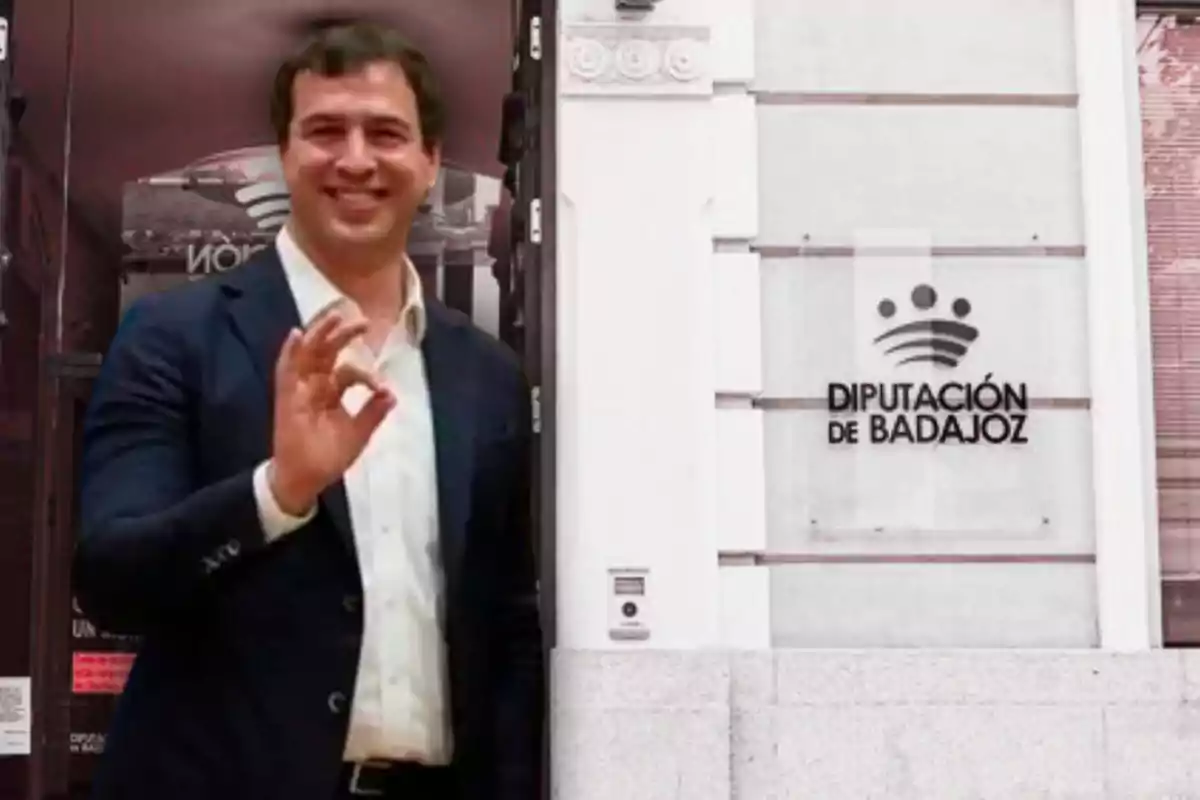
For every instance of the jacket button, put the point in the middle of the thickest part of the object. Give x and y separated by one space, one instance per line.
350 603
336 702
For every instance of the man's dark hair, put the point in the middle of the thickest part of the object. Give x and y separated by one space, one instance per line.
340 48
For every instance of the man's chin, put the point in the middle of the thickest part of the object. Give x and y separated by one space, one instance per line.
352 235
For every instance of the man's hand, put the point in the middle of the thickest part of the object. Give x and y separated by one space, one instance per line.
316 439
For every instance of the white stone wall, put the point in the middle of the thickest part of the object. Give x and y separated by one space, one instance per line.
847 725
675 230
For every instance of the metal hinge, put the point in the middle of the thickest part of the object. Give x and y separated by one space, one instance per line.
535 38
535 397
535 220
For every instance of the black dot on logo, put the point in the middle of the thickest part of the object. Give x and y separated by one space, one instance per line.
923 297
961 307
886 308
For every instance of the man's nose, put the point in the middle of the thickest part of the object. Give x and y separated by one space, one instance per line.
356 156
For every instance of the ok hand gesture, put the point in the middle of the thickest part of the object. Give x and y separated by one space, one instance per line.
315 438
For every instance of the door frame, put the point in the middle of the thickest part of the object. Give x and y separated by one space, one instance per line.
534 237
545 337
547 342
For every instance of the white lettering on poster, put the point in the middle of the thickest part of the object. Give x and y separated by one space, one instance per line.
87 743
82 629
211 258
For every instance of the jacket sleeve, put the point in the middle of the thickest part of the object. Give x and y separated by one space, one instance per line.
521 685
152 539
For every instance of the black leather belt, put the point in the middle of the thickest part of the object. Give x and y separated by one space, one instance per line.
377 778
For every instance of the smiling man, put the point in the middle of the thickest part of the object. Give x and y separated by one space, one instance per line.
305 482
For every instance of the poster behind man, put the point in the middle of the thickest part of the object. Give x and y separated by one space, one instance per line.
211 216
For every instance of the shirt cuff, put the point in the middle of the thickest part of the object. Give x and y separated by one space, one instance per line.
275 521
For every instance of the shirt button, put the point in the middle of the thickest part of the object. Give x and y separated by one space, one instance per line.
336 702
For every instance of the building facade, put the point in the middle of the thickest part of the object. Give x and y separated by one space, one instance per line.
870 418
860 336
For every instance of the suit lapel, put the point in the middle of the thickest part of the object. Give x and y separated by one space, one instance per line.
449 373
262 311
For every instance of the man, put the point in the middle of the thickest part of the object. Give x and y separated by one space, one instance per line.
306 485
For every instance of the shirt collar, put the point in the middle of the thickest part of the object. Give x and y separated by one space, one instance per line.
314 292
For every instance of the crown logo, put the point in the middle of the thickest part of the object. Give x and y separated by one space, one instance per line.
932 340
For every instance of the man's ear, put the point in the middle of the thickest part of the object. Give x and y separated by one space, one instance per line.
435 162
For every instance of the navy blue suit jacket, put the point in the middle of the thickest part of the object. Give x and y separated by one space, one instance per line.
250 650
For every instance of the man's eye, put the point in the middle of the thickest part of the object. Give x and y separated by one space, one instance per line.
389 137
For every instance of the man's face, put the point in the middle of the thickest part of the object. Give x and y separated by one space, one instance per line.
354 161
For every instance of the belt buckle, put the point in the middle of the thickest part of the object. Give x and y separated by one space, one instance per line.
356 776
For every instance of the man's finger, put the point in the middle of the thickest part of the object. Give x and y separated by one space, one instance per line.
309 356
371 415
337 339
285 365
318 329
349 374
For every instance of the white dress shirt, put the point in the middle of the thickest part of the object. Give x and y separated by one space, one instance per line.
400 707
